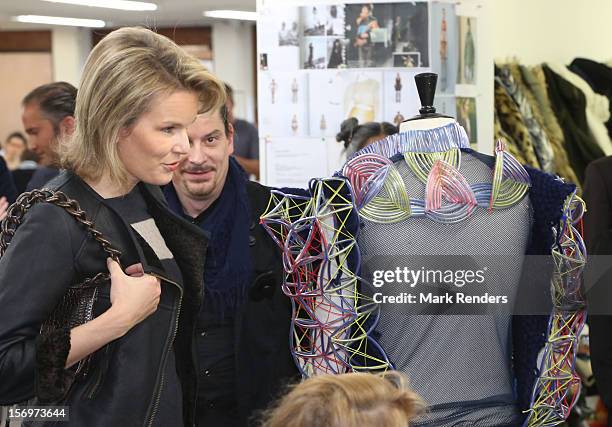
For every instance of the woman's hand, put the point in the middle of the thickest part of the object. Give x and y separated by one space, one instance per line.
134 295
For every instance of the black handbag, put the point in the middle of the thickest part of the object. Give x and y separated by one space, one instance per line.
76 306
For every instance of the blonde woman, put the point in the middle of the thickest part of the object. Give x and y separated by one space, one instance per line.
347 400
139 92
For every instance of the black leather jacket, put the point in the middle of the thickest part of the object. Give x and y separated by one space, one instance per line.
51 251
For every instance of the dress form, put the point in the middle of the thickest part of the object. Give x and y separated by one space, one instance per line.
460 364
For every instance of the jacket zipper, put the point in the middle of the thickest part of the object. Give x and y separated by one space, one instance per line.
94 389
163 375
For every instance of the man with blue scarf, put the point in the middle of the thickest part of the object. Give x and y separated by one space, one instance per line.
242 333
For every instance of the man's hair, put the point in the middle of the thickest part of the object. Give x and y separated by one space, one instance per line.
230 92
224 116
347 400
123 76
56 100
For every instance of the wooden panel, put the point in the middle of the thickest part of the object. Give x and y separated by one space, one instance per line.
19 74
25 41
181 36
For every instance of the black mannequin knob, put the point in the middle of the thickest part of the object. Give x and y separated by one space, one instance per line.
426 86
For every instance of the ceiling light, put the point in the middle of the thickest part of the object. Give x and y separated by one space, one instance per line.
232 14
110 4
58 20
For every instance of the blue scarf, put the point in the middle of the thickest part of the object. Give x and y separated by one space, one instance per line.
228 270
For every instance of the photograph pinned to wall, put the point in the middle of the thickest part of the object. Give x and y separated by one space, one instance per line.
283 103
401 99
467 53
445 45
466 117
337 95
313 20
278 38
263 61
407 60
314 53
288 34
380 32
335 20
336 52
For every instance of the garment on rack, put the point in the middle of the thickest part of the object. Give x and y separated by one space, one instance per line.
599 77
512 123
500 134
540 141
597 107
535 92
569 104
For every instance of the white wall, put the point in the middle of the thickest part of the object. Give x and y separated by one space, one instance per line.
233 58
536 31
69 47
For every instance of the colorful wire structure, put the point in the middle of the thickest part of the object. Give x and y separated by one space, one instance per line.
332 318
558 385
380 192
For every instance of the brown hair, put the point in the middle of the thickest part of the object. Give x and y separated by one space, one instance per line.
347 400
123 75
56 101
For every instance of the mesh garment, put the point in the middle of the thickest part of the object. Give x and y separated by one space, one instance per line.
460 364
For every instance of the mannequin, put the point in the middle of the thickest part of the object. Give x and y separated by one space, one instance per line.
426 201
477 347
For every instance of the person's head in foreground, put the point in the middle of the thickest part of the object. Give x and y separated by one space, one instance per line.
356 136
347 400
139 92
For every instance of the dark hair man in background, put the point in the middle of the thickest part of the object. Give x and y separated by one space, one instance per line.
48 116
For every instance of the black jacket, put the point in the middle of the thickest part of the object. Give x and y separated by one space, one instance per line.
264 364
51 251
598 233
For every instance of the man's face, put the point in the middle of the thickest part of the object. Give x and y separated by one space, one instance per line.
201 176
42 138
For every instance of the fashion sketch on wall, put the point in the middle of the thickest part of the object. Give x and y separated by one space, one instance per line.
335 95
400 95
362 99
467 56
445 45
387 35
466 116
289 90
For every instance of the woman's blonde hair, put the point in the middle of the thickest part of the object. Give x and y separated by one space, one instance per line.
347 400
123 75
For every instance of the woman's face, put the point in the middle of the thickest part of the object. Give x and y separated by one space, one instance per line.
153 147
14 148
